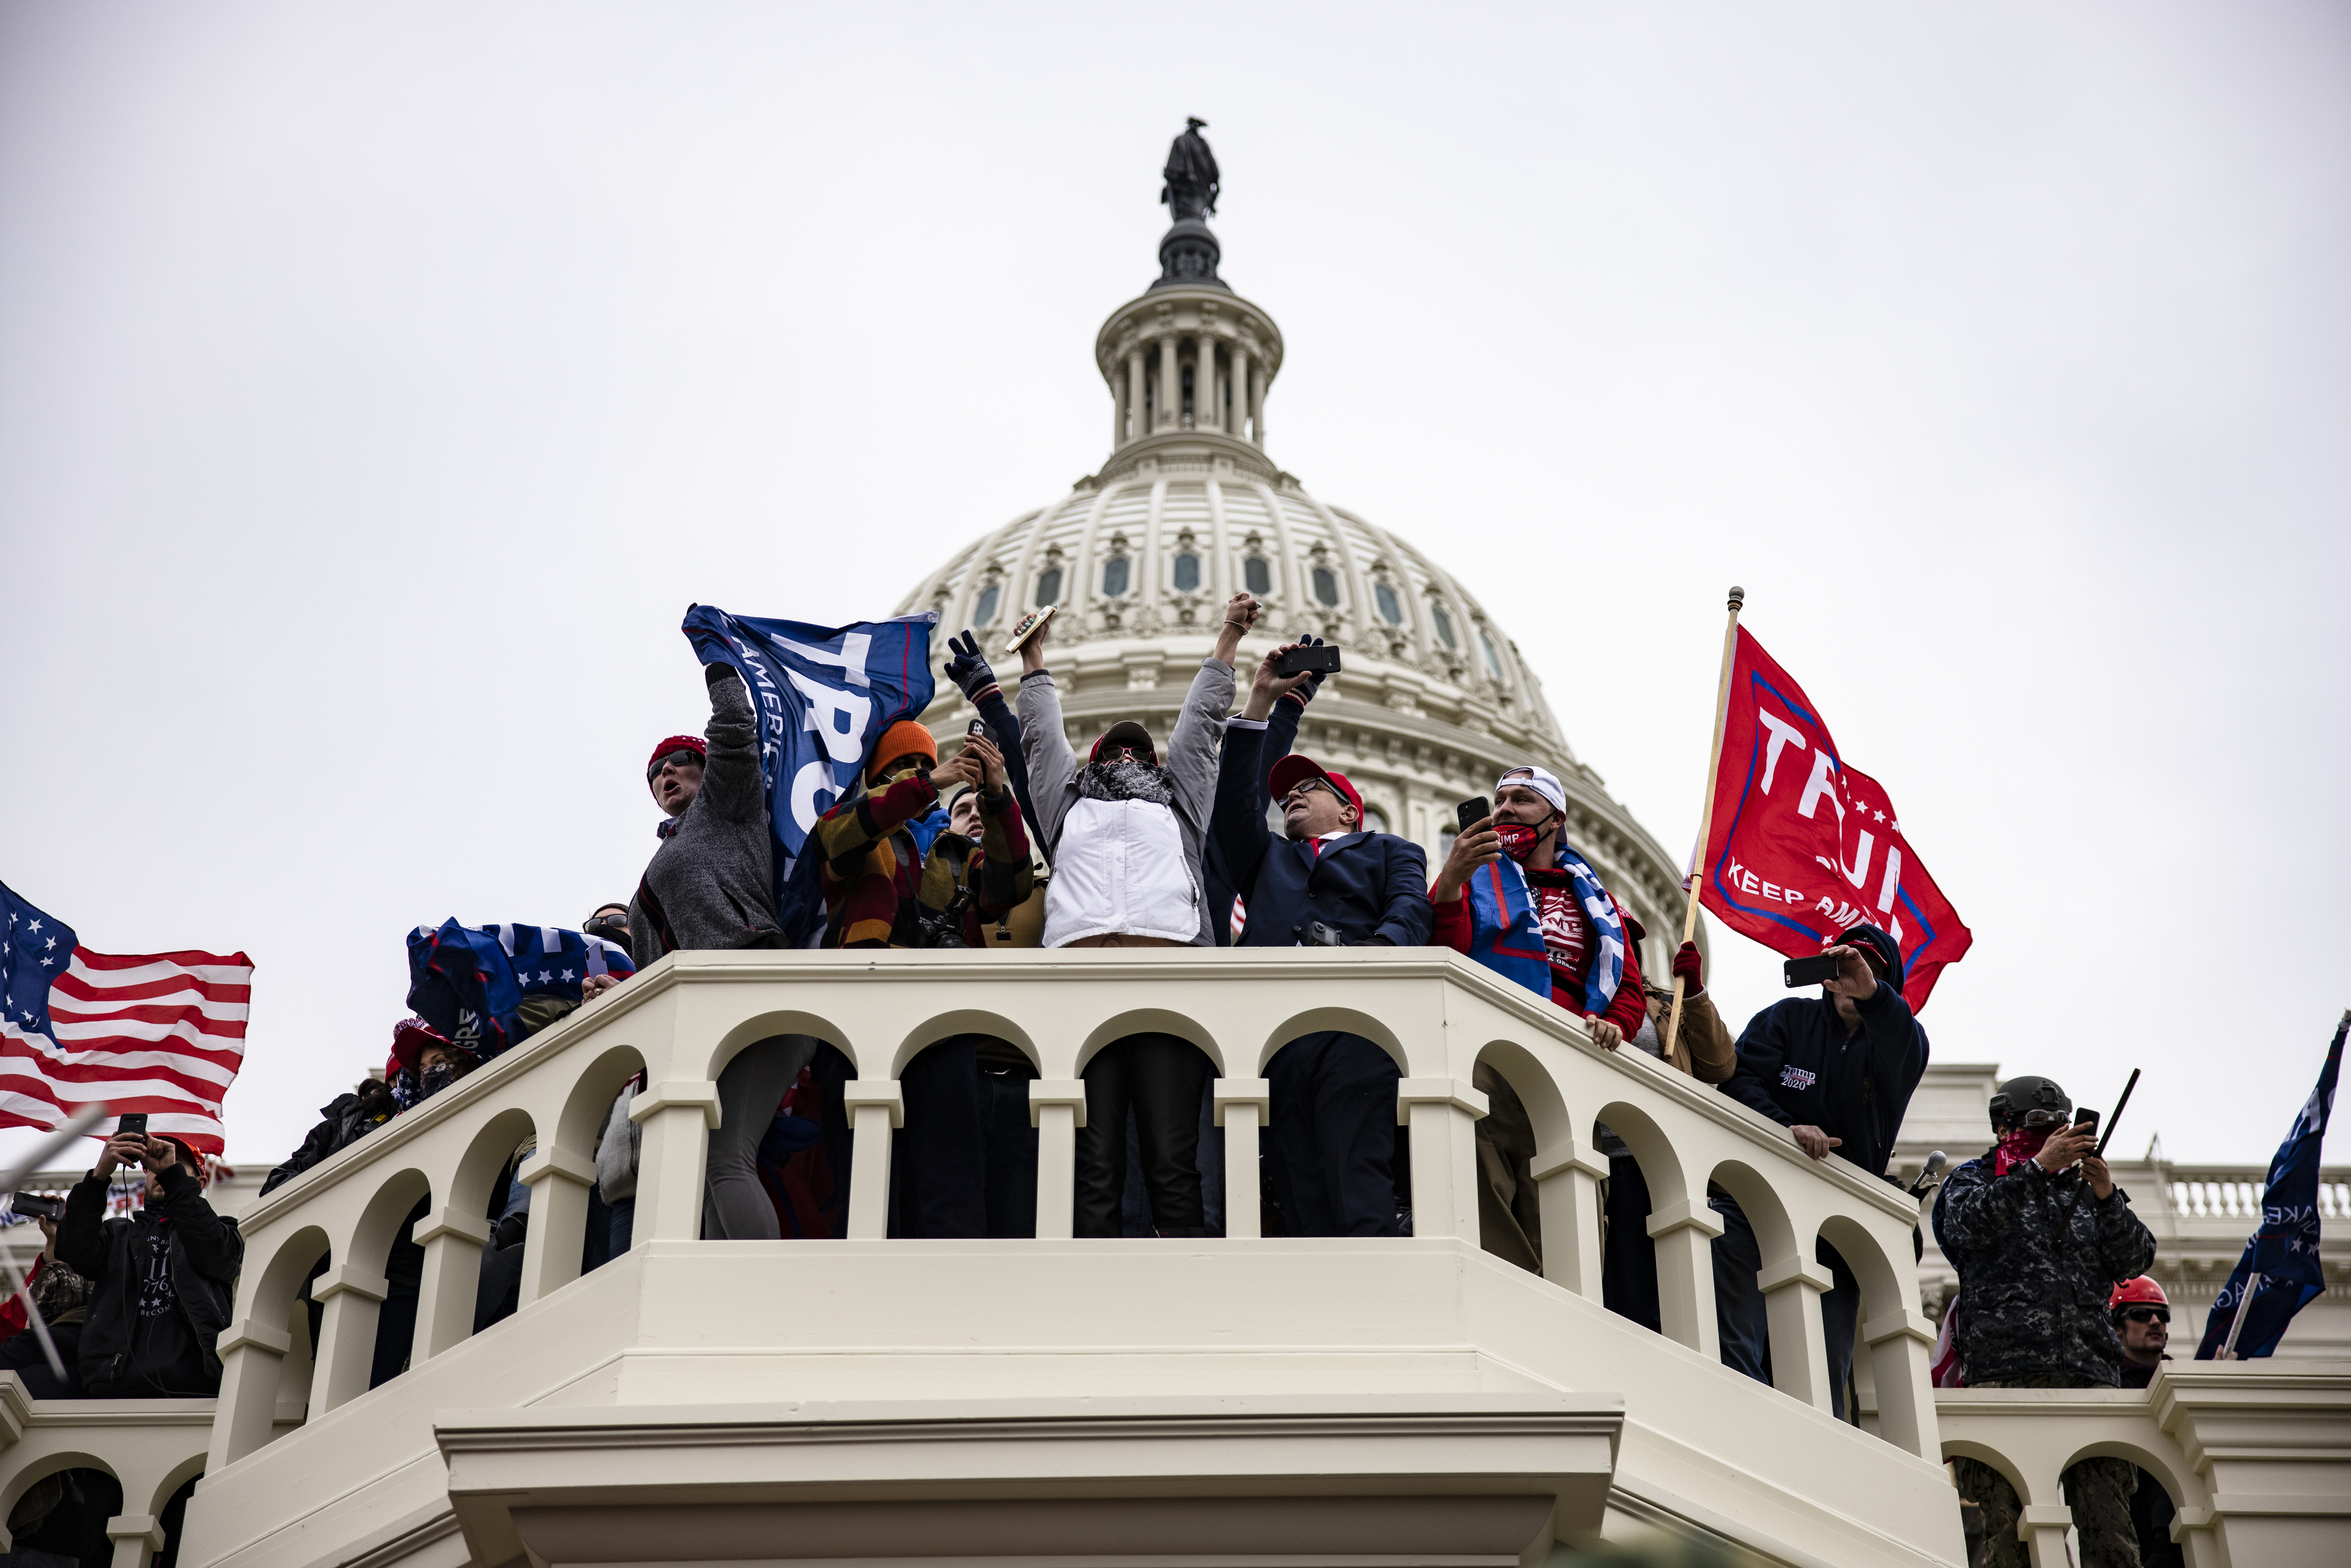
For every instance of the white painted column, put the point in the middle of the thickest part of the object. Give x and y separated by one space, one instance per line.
136 1537
2043 1527
452 1271
1567 1185
875 1106
678 1117
1441 1114
1056 1109
1901 1354
1135 397
350 1300
251 1356
1685 1275
1171 386
1792 1288
1117 412
1208 411
1241 381
559 1182
1256 407
1242 1107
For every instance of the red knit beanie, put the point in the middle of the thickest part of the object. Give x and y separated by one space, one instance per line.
692 743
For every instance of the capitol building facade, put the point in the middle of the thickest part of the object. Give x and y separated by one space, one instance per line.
1236 1401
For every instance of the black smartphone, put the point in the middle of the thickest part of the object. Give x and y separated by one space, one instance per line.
2085 1120
132 1121
1809 971
1469 813
38 1206
979 726
1319 656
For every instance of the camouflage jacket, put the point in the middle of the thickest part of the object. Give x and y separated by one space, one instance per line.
2038 1256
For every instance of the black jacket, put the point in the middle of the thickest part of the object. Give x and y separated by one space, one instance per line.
344 1121
1368 887
206 1252
2038 1256
1280 735
1797 1066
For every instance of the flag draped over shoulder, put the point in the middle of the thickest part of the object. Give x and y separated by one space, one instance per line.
469 981
1803 847
2284 1250
159 1032
824 695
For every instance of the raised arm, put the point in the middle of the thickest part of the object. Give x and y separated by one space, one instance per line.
970 672
1238 827
731 784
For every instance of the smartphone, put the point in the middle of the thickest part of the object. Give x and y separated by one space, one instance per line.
38 1206
2085 1120
1809 971
1026 627
132 1121
1319 656
979 726
1469 813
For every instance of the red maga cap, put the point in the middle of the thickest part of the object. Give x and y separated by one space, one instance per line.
1293 770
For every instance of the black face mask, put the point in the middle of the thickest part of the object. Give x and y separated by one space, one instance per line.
437 1077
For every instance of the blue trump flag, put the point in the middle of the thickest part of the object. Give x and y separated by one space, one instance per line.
2284 1250
462 983
824 695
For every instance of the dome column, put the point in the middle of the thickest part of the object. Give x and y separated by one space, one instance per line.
1171 389
1133 427
1241 389
1257 410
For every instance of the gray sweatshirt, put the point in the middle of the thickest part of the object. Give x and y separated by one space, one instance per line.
711 879
1191 766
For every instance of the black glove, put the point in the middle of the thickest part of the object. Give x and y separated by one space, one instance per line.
968 669
714 673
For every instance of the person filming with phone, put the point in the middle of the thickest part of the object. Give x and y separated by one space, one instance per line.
1322 882
1837 1070
162 1278
2040 1234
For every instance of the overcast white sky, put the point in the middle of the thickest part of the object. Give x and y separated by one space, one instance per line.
379 384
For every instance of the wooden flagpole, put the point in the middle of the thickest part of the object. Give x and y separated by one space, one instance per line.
1706 810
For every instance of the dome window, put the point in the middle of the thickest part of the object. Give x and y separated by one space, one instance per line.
984 612
1443 623
1326 586
1048 591
1493 659
1114 571
1386 598
1374 820
1257 574
1188 572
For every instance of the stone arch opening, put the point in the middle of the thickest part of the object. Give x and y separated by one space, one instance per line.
362 1309
1654 1267
1150 1157
964 1160
1526 1118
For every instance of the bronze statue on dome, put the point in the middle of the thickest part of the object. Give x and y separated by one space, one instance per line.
1191 175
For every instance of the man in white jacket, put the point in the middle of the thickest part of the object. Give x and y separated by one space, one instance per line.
1125 834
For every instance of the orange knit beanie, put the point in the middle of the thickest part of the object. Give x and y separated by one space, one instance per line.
904 738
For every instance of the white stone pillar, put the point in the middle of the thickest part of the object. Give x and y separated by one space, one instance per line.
1056 1109
678 1117
348 1300
1567 1185
1256 407
1901 1352
1171 386
559 1182
1118 411
1242 1107
1685 1275
251 1356
2043 1527
1441 1114
874 1106
1240 382
1135 397
1792 1288
1208 410
136 1537
452 1270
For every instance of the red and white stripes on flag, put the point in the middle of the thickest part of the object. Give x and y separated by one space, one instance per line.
159 1032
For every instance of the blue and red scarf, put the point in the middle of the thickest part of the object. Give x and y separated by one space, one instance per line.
1506 932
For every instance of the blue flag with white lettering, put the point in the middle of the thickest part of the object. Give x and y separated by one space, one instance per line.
2284 1250
824 695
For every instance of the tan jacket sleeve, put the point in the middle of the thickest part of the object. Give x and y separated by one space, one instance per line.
1711 1050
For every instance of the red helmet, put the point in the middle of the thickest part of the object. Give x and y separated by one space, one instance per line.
2142 1289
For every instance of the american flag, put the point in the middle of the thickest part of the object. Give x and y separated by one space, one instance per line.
159 1032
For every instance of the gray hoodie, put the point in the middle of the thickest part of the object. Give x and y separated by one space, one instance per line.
1191 768
711 879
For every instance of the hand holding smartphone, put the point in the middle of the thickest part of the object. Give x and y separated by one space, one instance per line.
1469 813
1817 970
1312 658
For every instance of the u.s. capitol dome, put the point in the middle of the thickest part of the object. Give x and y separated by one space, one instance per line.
1434 702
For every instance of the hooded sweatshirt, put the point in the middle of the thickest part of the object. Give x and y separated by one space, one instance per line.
710 884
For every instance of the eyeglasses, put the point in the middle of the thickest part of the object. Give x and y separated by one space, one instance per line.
2148 1314
1299 790
681 758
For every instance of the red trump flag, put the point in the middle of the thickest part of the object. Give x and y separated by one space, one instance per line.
1801 847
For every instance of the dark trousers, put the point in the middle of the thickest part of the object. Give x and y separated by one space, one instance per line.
1135 1213
1334 1135
1009 1148
1158 1076
939 1160
1745 1320
1628 1258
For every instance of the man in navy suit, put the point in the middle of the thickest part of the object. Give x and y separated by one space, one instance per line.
1321 881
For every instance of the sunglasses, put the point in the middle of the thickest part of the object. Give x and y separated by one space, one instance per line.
2148 1314
2036 1120
681 758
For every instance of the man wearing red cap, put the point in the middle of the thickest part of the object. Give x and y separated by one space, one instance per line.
1322 882
160 1276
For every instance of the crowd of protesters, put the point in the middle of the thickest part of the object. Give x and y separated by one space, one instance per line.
1017 842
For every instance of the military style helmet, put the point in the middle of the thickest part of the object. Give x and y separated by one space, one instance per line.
2020 1095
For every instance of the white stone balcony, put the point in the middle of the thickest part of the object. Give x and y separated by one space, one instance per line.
1231 1400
